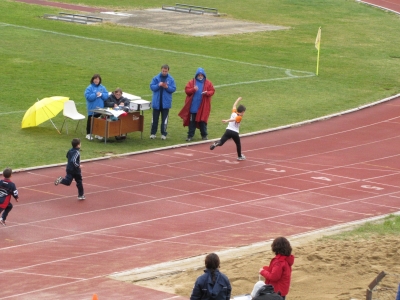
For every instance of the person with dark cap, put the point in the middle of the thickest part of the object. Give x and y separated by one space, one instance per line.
197 108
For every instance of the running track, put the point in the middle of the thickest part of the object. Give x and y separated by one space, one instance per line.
166 205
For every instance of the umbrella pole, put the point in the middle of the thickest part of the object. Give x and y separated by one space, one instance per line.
51 120
54 126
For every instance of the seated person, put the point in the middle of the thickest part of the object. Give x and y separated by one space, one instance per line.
116 100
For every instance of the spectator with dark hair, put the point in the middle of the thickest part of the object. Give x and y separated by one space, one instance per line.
279 272
162 86
212 284
95 95
116 99
7 189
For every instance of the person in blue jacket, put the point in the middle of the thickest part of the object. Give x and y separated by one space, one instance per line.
95 95
212 284
73 168
162 86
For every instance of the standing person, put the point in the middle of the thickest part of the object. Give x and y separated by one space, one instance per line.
279 272
95 95
212 284
232 131
197 108
73 168
162 85
7 189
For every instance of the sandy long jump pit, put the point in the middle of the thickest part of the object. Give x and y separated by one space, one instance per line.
184 23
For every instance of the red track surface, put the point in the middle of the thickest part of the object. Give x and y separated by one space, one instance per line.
393 5
150 208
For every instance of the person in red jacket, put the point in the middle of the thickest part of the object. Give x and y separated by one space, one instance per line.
197 108
279 271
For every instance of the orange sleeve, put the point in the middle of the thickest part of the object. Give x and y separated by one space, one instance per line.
238 119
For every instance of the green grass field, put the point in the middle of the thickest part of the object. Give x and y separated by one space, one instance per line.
359 64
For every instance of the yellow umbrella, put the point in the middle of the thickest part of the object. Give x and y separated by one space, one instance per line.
43 110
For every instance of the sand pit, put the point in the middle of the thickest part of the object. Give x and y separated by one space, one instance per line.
324 269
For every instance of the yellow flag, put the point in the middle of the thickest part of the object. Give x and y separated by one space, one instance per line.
318 39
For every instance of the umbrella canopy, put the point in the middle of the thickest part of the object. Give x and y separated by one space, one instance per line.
43 110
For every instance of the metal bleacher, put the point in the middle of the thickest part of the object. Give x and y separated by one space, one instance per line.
75 18
191 9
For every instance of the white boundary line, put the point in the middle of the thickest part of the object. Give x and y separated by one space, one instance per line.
378 6
169 267
308 74
208 141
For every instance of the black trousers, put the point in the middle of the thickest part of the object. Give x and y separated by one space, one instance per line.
6 211
193 126
78 179
89 122
230 134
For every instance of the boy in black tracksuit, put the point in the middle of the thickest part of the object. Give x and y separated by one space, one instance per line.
73 168
7 189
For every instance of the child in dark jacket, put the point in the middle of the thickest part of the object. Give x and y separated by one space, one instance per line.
7 189
212 284
73 168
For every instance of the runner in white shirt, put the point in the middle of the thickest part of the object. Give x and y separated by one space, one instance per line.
232 131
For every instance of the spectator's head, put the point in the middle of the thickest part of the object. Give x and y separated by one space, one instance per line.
7 172
212 261
164 70
96 79
117 93
281 246
76 143
200 74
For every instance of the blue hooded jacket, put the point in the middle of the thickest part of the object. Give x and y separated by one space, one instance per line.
197 97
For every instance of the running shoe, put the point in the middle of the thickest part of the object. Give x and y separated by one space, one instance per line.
241 157
58 180
212 147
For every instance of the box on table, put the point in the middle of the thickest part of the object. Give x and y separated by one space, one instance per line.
139 104
128 96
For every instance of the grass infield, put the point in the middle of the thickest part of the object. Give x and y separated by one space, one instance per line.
359 64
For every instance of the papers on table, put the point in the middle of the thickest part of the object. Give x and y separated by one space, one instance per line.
116 113
242 297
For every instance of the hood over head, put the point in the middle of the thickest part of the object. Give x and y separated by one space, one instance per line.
200 71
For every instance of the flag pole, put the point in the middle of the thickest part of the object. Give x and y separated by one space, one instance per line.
318 46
